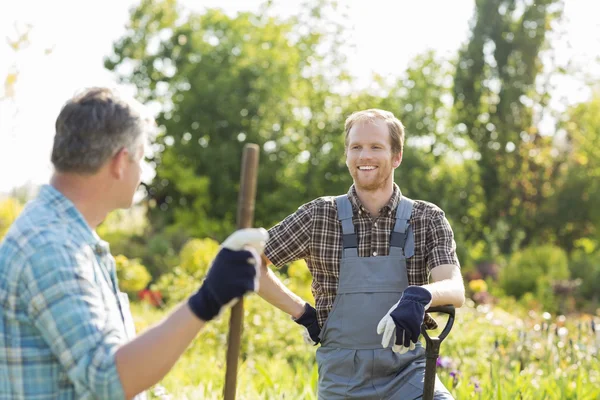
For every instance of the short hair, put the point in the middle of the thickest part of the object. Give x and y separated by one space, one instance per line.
394 125
92 127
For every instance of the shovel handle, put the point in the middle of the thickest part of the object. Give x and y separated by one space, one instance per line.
448 309
245 218
433 349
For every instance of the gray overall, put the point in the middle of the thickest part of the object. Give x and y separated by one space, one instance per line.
352 363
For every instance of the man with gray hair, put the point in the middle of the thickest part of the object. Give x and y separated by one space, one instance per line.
65 328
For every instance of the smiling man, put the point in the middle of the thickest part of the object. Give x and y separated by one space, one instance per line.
378 261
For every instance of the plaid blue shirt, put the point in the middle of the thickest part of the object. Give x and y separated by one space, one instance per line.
61 321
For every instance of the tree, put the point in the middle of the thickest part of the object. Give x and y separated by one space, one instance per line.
496 99
572 211
222 81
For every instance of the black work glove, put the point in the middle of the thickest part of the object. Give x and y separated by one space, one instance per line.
311 326
232 274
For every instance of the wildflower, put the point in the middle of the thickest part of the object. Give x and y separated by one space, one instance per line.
478 285
444 362
562 331
476 385
455 375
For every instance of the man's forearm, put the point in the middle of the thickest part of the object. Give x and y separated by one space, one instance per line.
447 286
275 292
145 360
446 292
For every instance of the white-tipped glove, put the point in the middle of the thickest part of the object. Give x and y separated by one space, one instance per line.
253 240
233 273
405 319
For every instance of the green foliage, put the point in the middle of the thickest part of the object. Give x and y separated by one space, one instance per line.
586 266
473 146
490 354
496 98
128 232
572 211
132 275
534 269
124 222
220 87
224 81
299 280
195 258
473 143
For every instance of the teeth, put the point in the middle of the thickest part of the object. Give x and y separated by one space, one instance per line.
366 167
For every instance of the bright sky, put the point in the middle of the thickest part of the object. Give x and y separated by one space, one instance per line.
386 34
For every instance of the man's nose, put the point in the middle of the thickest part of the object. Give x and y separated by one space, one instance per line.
365 154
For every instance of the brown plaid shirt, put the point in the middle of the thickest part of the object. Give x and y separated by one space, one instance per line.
313 233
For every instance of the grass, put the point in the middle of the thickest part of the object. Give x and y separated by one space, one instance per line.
490 354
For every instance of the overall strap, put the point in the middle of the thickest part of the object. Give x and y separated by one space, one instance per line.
402 232
344 214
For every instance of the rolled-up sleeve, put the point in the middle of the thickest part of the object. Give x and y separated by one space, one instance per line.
289 240
441 247
67 307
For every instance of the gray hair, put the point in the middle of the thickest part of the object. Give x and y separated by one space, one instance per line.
92 127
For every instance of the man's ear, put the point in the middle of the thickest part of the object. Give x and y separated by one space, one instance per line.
119 162
397 160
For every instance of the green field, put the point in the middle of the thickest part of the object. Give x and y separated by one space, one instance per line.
490 354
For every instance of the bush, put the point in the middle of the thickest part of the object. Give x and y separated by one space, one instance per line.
195 258
534 270
161 250
586 266
132 275
196 255
300 280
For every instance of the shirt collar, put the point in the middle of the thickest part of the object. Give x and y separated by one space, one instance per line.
391 205
65 208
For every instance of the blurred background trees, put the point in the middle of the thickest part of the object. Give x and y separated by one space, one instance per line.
517 179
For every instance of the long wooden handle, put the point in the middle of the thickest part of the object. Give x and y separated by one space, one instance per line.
245 219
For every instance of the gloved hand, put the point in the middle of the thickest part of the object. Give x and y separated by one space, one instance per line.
406 318
233 273
309 321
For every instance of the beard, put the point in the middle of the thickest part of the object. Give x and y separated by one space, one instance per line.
371 180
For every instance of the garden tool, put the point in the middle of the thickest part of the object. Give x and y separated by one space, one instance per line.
432 349
245 218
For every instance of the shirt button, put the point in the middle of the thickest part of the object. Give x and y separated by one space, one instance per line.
374 253
375 225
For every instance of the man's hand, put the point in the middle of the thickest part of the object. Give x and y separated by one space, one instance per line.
406 318
233 273
311 326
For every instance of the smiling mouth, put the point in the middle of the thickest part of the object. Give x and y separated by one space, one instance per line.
367 168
